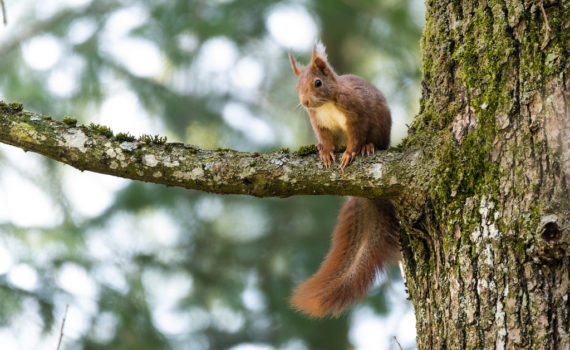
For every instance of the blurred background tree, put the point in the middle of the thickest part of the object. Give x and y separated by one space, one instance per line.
149 267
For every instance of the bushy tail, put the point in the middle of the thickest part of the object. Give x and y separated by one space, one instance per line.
365 238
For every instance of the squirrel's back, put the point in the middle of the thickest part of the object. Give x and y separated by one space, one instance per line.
369 104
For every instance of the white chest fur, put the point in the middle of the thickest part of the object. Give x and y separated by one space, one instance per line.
328 116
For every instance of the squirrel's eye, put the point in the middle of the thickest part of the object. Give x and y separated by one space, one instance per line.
318 83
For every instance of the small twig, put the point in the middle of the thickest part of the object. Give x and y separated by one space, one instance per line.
547 36
4 15
397 342
62 322
544 15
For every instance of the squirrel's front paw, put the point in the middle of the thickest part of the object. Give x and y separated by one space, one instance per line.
347 157
326 154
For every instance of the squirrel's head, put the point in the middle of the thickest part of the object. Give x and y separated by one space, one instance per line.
316 83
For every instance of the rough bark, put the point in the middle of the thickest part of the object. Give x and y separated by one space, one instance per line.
488 259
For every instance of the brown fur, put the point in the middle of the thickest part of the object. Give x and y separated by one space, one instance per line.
367 114
366 235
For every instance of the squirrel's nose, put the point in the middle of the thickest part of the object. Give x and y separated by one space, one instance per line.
306 103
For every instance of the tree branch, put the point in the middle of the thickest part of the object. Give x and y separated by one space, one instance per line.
277 174
4 15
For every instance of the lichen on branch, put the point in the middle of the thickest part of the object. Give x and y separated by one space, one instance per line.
226 171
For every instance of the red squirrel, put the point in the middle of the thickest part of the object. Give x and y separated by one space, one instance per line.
346 110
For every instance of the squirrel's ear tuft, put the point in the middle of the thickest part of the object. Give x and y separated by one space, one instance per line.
319 50
319 60
293 64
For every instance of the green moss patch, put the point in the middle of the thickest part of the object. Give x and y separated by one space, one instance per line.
70 120
102 130
122 136
152 139
306 150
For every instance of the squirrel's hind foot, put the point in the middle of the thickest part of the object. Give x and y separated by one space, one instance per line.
367 149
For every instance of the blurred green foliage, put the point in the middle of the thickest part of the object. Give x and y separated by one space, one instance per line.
229 247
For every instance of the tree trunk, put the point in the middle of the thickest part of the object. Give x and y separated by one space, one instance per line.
486 252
